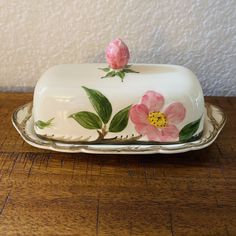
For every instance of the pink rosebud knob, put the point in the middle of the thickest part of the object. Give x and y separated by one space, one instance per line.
117 54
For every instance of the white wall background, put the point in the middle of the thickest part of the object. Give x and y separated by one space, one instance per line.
200 34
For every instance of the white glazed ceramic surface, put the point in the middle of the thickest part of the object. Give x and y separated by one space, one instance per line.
214 121
59 94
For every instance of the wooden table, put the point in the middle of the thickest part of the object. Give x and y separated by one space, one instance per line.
48 193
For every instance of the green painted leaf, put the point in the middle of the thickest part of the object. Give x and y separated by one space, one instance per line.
128 66
121 74
44 124
109 74
100 104
189 130
120 120
105 69
88 120
130 71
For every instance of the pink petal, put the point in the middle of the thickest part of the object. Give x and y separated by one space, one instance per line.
169 133
138 114
153 101
152 132
175 113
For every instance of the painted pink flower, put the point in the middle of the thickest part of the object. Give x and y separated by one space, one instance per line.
150 120
117 54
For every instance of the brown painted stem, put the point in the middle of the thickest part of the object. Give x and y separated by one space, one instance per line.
102 133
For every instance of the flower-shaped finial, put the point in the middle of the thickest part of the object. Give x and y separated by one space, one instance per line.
117 57
117 54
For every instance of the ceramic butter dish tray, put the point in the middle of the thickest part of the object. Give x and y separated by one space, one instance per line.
118 103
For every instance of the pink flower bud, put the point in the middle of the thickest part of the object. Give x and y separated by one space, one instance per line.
117 54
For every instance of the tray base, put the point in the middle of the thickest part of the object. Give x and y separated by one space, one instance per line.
214 121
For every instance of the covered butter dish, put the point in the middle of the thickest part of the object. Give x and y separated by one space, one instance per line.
119 108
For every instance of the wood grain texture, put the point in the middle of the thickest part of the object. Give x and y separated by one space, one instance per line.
49 193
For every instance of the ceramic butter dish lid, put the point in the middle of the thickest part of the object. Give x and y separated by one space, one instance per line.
118 103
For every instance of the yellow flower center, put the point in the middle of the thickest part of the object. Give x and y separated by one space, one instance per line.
158 119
